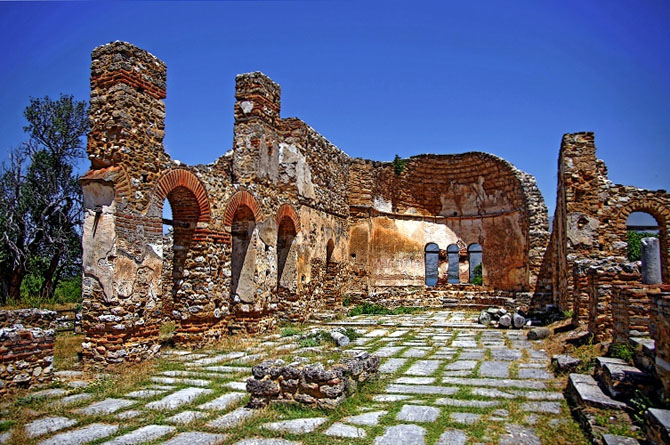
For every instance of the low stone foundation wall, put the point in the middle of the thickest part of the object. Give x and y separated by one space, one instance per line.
26 348
659 328
630 312
603 278
312 385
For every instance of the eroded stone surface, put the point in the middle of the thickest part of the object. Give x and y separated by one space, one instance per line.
296 426
402 434
86 434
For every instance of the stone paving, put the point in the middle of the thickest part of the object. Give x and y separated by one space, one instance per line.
444 380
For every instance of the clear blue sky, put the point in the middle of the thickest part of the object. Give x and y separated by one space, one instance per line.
379 78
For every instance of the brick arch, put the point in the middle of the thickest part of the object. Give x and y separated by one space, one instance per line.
287 211
238 199
180 177
659 209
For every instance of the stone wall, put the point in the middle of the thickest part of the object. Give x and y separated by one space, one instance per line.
589 224
313 385
659 328
26 348
631 311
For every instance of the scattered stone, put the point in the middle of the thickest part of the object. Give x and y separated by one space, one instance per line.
584 390
339 338
659 425
418 413
341 430
46 425
538 333
402 434
484 318
296 426
518 321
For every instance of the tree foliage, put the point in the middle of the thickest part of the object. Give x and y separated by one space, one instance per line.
635 244
41 200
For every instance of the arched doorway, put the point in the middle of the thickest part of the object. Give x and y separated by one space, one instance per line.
243 254
286 233
432 258
181 212
475 263
452 258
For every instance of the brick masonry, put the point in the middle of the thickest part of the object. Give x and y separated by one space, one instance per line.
26 348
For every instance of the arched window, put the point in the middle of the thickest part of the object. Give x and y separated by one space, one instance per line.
639 225
475 262
243 259
432 252
452 270
285 235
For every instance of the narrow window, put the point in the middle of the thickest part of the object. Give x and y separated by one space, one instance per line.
243 258
432 259
285 236
452 257
475 261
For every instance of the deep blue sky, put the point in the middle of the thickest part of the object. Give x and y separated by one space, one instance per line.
379 78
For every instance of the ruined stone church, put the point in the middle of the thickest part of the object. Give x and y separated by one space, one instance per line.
285 225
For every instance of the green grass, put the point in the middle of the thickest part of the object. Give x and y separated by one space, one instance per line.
375 309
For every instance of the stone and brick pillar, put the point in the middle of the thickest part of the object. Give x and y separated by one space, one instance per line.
122 233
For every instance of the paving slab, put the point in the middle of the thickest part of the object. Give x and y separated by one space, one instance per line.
465 418
539 395
232 418
196 438
423 367
611 439
369 418
388 351
518 435
224 401
296 426
402 434
377 333
415 380
418 413
492 393
347 431
416 352
145 393
531 373
506 354
542 407
461 365
586 390
452 437
227 369
129 414
53 392
74 398
107 406
391 365
421 389
448 401
141 435
185 417
89 433
176 381
179 398
46 425
390 397
267 442
506 383
497 369
217 359
471 355
238 386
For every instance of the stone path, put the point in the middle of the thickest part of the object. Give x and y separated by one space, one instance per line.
444 381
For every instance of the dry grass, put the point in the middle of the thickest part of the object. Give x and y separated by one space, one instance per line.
67 351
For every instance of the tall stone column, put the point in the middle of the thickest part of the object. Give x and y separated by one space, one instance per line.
122 258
